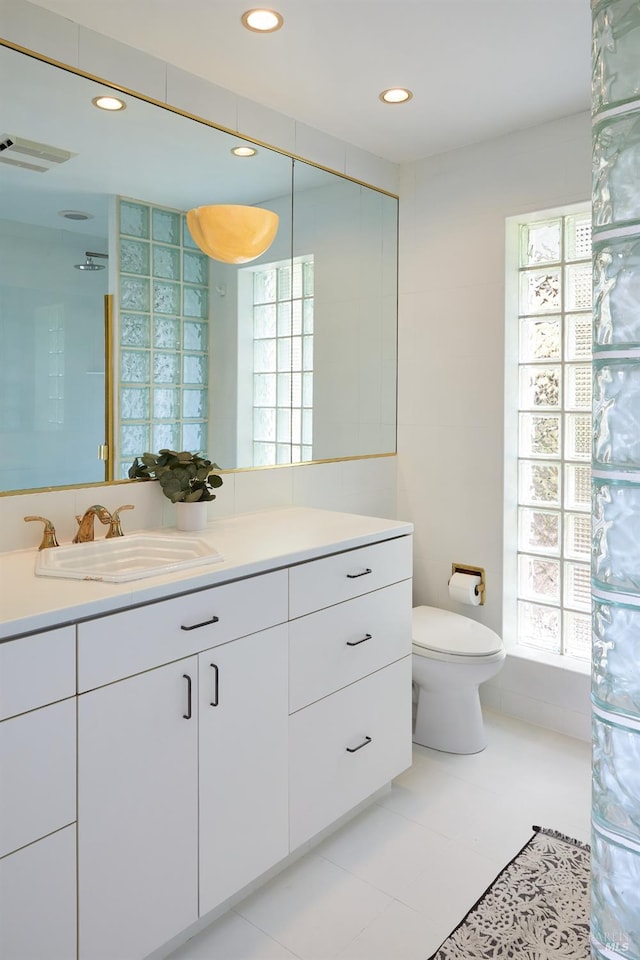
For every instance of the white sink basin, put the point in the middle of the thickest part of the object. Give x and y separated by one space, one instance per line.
124 558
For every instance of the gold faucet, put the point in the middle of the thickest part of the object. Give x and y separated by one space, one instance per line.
86 522
48 535
115 530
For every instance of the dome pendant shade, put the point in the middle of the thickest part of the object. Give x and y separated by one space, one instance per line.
232 233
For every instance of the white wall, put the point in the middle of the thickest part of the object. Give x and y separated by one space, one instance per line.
451 376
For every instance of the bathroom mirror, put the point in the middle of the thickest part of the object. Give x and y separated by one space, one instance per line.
288 358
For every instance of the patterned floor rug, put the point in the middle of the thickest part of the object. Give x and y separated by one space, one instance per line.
537 908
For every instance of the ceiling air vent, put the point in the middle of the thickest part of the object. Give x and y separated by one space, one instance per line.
31 155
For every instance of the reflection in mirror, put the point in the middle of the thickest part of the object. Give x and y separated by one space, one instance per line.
182 322
52 369
346 234
288 358
316 330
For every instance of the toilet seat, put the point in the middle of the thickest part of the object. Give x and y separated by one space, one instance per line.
443 635
460 658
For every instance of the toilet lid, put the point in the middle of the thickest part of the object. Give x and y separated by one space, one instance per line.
446 632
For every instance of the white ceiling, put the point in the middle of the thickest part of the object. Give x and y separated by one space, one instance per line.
478 68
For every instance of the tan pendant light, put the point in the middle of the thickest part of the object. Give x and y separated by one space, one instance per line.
232 233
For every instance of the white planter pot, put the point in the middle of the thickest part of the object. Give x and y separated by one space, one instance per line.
191 516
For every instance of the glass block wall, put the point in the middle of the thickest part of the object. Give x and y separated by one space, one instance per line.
164 334
616 481
554 435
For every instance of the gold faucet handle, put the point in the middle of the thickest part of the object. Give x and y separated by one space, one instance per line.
115 530
49 534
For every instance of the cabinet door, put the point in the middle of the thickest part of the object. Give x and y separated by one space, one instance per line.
38 899
137 812
243 763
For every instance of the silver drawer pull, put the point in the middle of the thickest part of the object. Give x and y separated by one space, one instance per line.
355 643
205 623
353 576
360 745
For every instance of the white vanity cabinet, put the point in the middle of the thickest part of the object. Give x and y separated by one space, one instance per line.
207 734
350 693
182 768
38 796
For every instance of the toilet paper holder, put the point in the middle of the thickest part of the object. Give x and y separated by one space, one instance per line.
473 571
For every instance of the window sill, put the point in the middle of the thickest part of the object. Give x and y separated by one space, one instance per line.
571 664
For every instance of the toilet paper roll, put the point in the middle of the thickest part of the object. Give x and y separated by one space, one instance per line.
462 588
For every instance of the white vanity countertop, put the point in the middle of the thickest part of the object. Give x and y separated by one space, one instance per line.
250 543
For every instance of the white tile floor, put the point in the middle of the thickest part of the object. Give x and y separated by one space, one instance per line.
393 882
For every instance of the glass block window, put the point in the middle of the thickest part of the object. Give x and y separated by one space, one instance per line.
554 435
283 362
164 333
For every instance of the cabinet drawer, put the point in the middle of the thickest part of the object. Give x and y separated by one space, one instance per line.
38 900
321 583
37 670
126 643
328 773
37 774
334 647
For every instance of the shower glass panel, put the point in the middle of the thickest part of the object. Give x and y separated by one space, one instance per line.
615 930
52 376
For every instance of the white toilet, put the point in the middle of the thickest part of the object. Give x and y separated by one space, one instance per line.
452 656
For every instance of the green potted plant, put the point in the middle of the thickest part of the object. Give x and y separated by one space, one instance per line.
187 479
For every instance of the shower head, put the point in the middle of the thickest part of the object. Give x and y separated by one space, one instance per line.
89 264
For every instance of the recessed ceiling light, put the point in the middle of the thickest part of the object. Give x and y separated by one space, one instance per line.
244 151
109 103
396 95
262 20
75 215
